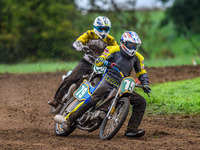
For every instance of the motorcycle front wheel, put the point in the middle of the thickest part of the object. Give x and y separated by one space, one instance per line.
112 124
58 127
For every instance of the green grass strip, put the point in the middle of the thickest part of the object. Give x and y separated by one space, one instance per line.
63 66
37 67
180 97
178 61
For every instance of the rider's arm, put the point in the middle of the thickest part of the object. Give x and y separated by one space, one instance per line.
82 40
99 61
106 55
111 41
140 71
78 45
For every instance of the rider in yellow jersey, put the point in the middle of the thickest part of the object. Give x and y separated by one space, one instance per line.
124 57
92 43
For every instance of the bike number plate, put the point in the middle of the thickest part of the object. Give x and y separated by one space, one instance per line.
82 92
127 85
100 70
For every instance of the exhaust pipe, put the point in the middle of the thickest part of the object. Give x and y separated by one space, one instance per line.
59 119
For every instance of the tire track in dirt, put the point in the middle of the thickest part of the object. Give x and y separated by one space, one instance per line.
26 122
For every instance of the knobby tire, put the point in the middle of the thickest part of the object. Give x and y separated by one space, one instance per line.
126 105
58 128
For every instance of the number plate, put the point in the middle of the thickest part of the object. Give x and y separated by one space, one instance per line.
82 92
100 70
127 85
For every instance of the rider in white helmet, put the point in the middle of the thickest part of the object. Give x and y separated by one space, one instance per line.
102 27
125 58
92 43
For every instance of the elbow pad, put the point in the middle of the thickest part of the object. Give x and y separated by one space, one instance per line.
78 45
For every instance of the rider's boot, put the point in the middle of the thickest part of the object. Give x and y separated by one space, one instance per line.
134 132
53 103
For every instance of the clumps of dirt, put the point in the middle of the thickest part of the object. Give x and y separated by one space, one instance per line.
26 121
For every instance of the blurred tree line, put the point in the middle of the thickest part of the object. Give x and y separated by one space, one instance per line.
185 16
36 30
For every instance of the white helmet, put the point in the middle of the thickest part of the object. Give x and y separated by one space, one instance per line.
102 26
130 42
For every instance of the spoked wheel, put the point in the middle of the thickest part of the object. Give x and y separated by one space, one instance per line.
58 127
111 125
68 95
55 110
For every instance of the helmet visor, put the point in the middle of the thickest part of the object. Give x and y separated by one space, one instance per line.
131 45
101 29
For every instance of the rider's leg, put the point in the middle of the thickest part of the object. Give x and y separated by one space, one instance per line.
102 89
80 109
77 112
139 106
81 69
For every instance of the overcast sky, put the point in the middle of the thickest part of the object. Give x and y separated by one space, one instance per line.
139 3
149 4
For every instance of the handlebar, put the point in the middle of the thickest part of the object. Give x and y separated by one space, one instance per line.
143 87
140 86
122 75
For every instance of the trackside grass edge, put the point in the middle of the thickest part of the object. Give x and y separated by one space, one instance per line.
179 97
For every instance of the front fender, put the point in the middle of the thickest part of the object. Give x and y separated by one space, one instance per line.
126 94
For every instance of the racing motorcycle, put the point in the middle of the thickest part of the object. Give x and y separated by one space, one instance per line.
109 113
74 86
68 94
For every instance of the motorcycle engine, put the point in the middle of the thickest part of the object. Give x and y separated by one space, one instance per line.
89 117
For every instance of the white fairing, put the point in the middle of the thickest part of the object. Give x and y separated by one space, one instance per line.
68 73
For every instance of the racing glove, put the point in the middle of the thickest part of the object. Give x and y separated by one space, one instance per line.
86 49
109 64
147 89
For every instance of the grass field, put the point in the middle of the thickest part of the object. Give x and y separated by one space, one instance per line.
63 66
180 97
37 67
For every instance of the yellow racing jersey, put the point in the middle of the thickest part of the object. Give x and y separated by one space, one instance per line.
124 63
96 44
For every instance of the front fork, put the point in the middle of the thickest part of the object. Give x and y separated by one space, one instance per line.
113 106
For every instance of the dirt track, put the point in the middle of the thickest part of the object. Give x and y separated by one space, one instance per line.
26 122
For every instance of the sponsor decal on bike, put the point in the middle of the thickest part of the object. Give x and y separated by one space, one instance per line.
111 80
106 51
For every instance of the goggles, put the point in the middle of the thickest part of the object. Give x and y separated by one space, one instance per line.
101 29
131 45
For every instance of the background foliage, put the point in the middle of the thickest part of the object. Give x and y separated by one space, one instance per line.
37 30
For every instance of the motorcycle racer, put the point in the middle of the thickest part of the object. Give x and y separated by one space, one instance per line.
124 58
92 43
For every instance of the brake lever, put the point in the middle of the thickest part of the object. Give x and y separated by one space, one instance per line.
148 94
141 86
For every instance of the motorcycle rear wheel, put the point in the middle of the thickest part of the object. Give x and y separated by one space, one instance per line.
58 127
112 124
